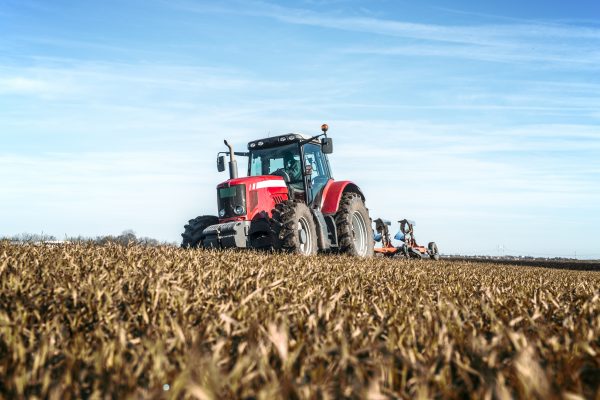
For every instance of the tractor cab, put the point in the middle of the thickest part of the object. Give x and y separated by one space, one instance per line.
301 161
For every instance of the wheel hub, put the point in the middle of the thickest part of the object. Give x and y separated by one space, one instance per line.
359 233
302 236
304 239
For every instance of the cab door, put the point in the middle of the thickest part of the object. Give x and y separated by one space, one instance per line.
316 170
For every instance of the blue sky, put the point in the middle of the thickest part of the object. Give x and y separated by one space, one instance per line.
480 120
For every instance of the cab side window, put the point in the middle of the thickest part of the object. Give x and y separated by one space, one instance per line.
314 158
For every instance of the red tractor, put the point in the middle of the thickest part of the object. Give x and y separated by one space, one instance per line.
289 201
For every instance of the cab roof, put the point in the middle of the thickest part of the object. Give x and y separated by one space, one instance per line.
280 140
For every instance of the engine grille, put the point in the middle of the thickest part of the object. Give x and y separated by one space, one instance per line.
231 197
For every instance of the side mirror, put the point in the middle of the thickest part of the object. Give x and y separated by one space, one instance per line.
327 145
221 163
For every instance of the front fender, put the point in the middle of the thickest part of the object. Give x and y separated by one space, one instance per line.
332 194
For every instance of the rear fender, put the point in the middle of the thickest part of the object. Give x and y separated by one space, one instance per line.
332 194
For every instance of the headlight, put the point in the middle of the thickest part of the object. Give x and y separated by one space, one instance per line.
292 137
283 139
260 143
222 212
239 210
252 144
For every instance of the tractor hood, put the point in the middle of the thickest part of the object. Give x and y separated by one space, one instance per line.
256 182
245 198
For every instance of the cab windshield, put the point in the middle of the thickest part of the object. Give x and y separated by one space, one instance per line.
268 161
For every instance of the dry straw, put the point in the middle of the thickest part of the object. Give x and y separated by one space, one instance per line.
150 322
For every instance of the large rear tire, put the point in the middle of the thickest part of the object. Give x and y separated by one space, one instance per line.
354 226
297 231
192 235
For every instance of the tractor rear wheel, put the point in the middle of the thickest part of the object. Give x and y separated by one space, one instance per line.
354 227
297 229
192 235
433 251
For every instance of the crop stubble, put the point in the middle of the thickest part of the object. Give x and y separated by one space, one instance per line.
104 321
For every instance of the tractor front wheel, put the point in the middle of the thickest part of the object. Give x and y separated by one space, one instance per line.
354 228
192 235
297 230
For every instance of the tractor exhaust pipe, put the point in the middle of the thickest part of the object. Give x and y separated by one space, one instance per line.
233 171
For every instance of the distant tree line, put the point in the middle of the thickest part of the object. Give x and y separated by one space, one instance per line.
29 238
126 238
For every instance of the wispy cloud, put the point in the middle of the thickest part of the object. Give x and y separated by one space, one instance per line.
566 56
513 41
22 85
486 34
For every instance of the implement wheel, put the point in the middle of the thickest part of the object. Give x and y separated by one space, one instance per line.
414 253
297 230
192 236
354 227
433 251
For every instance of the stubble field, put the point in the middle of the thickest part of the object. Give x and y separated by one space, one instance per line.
85 321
